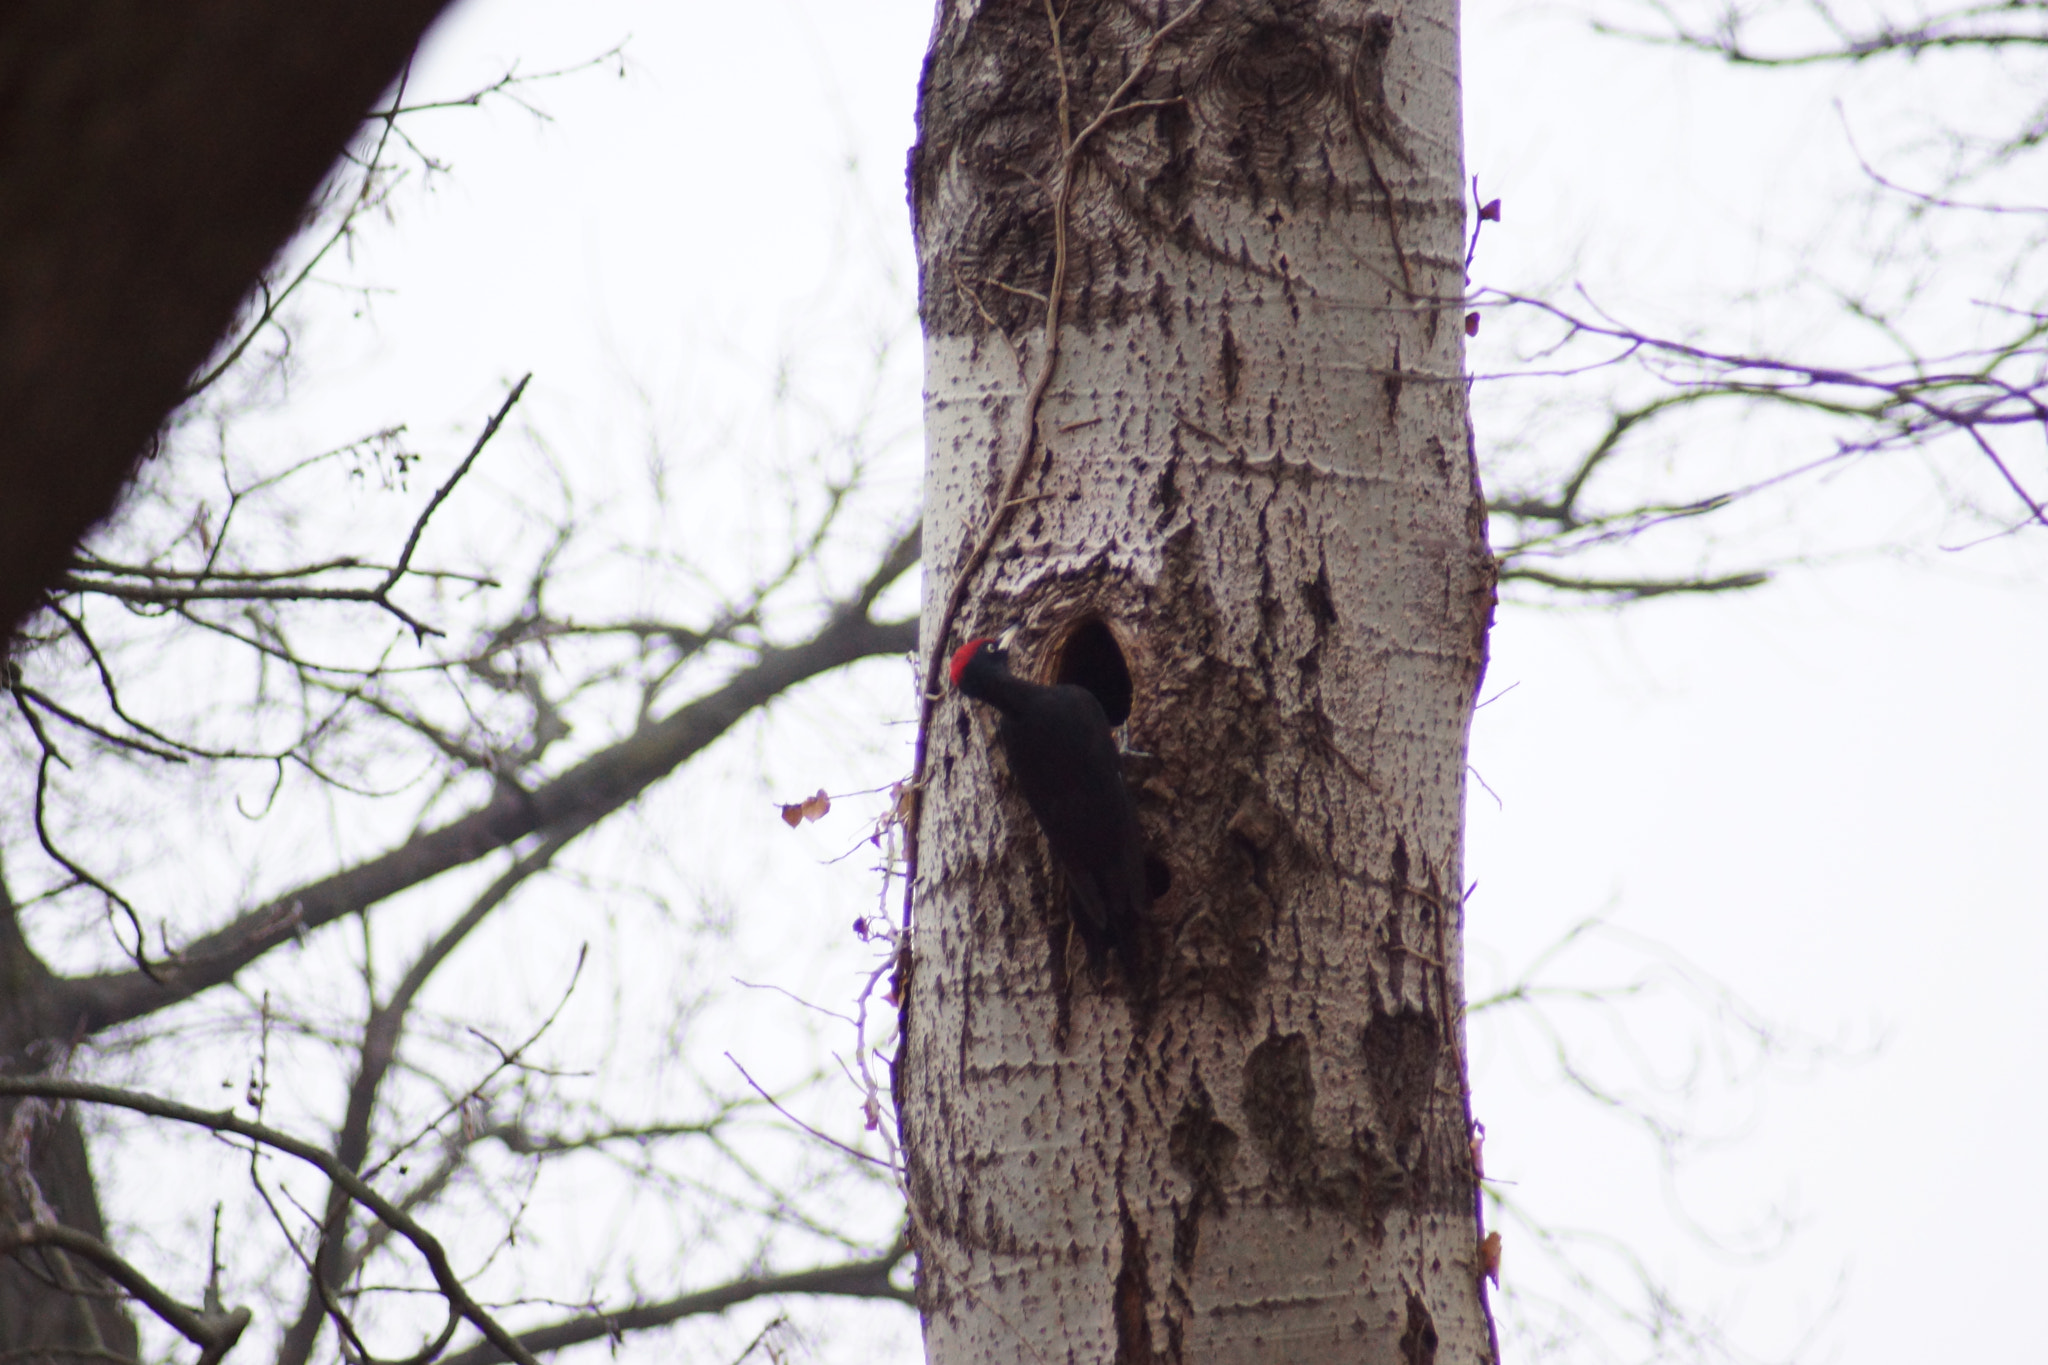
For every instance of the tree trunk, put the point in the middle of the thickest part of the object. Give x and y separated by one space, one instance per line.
1249 519
52 1307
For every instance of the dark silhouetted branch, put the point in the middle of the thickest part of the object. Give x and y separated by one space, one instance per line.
214 1332
226 1121
563 805
869 1279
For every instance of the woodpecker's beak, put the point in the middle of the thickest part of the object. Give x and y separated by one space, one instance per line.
1007 640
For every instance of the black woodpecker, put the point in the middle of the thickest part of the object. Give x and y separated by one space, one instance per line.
1064 759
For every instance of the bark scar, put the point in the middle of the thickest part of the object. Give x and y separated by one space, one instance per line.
1133 1294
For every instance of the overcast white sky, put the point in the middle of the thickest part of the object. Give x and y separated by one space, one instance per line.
1827 795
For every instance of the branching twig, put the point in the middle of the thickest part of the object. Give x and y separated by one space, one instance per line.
381 1033
138 953
823 1137
226 1121
864 1279
572 800
1907 401
212 1330
441 494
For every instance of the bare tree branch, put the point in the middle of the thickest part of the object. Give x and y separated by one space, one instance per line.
867 1279
2001 24
566 804
331 1263
149 585
1632 589
519 1140
511 80
1900 404
905 552
213 1332
419 527
153 159
226 1121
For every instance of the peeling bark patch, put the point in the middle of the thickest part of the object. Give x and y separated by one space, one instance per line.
1418 1343
1260 831
1133 1293
1160 301
1383 1184
1166 490
1204 1150
1280 1104
1230 939
1402 1053
1320 601
1369 108
1441 454
1231 363
1222 944
1056 936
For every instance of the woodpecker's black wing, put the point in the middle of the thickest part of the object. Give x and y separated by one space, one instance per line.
1064 758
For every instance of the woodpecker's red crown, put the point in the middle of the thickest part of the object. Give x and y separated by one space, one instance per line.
964 655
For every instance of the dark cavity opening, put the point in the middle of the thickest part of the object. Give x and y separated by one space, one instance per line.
1089 657
1158 876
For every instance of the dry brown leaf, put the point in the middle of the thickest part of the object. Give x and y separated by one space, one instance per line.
810 808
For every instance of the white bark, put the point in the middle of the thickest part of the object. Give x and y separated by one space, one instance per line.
1256 470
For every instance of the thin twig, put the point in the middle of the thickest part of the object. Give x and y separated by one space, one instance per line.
823 1137
226 1121
441 494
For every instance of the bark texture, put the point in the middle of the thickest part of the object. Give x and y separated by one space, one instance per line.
1252 517
154 155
